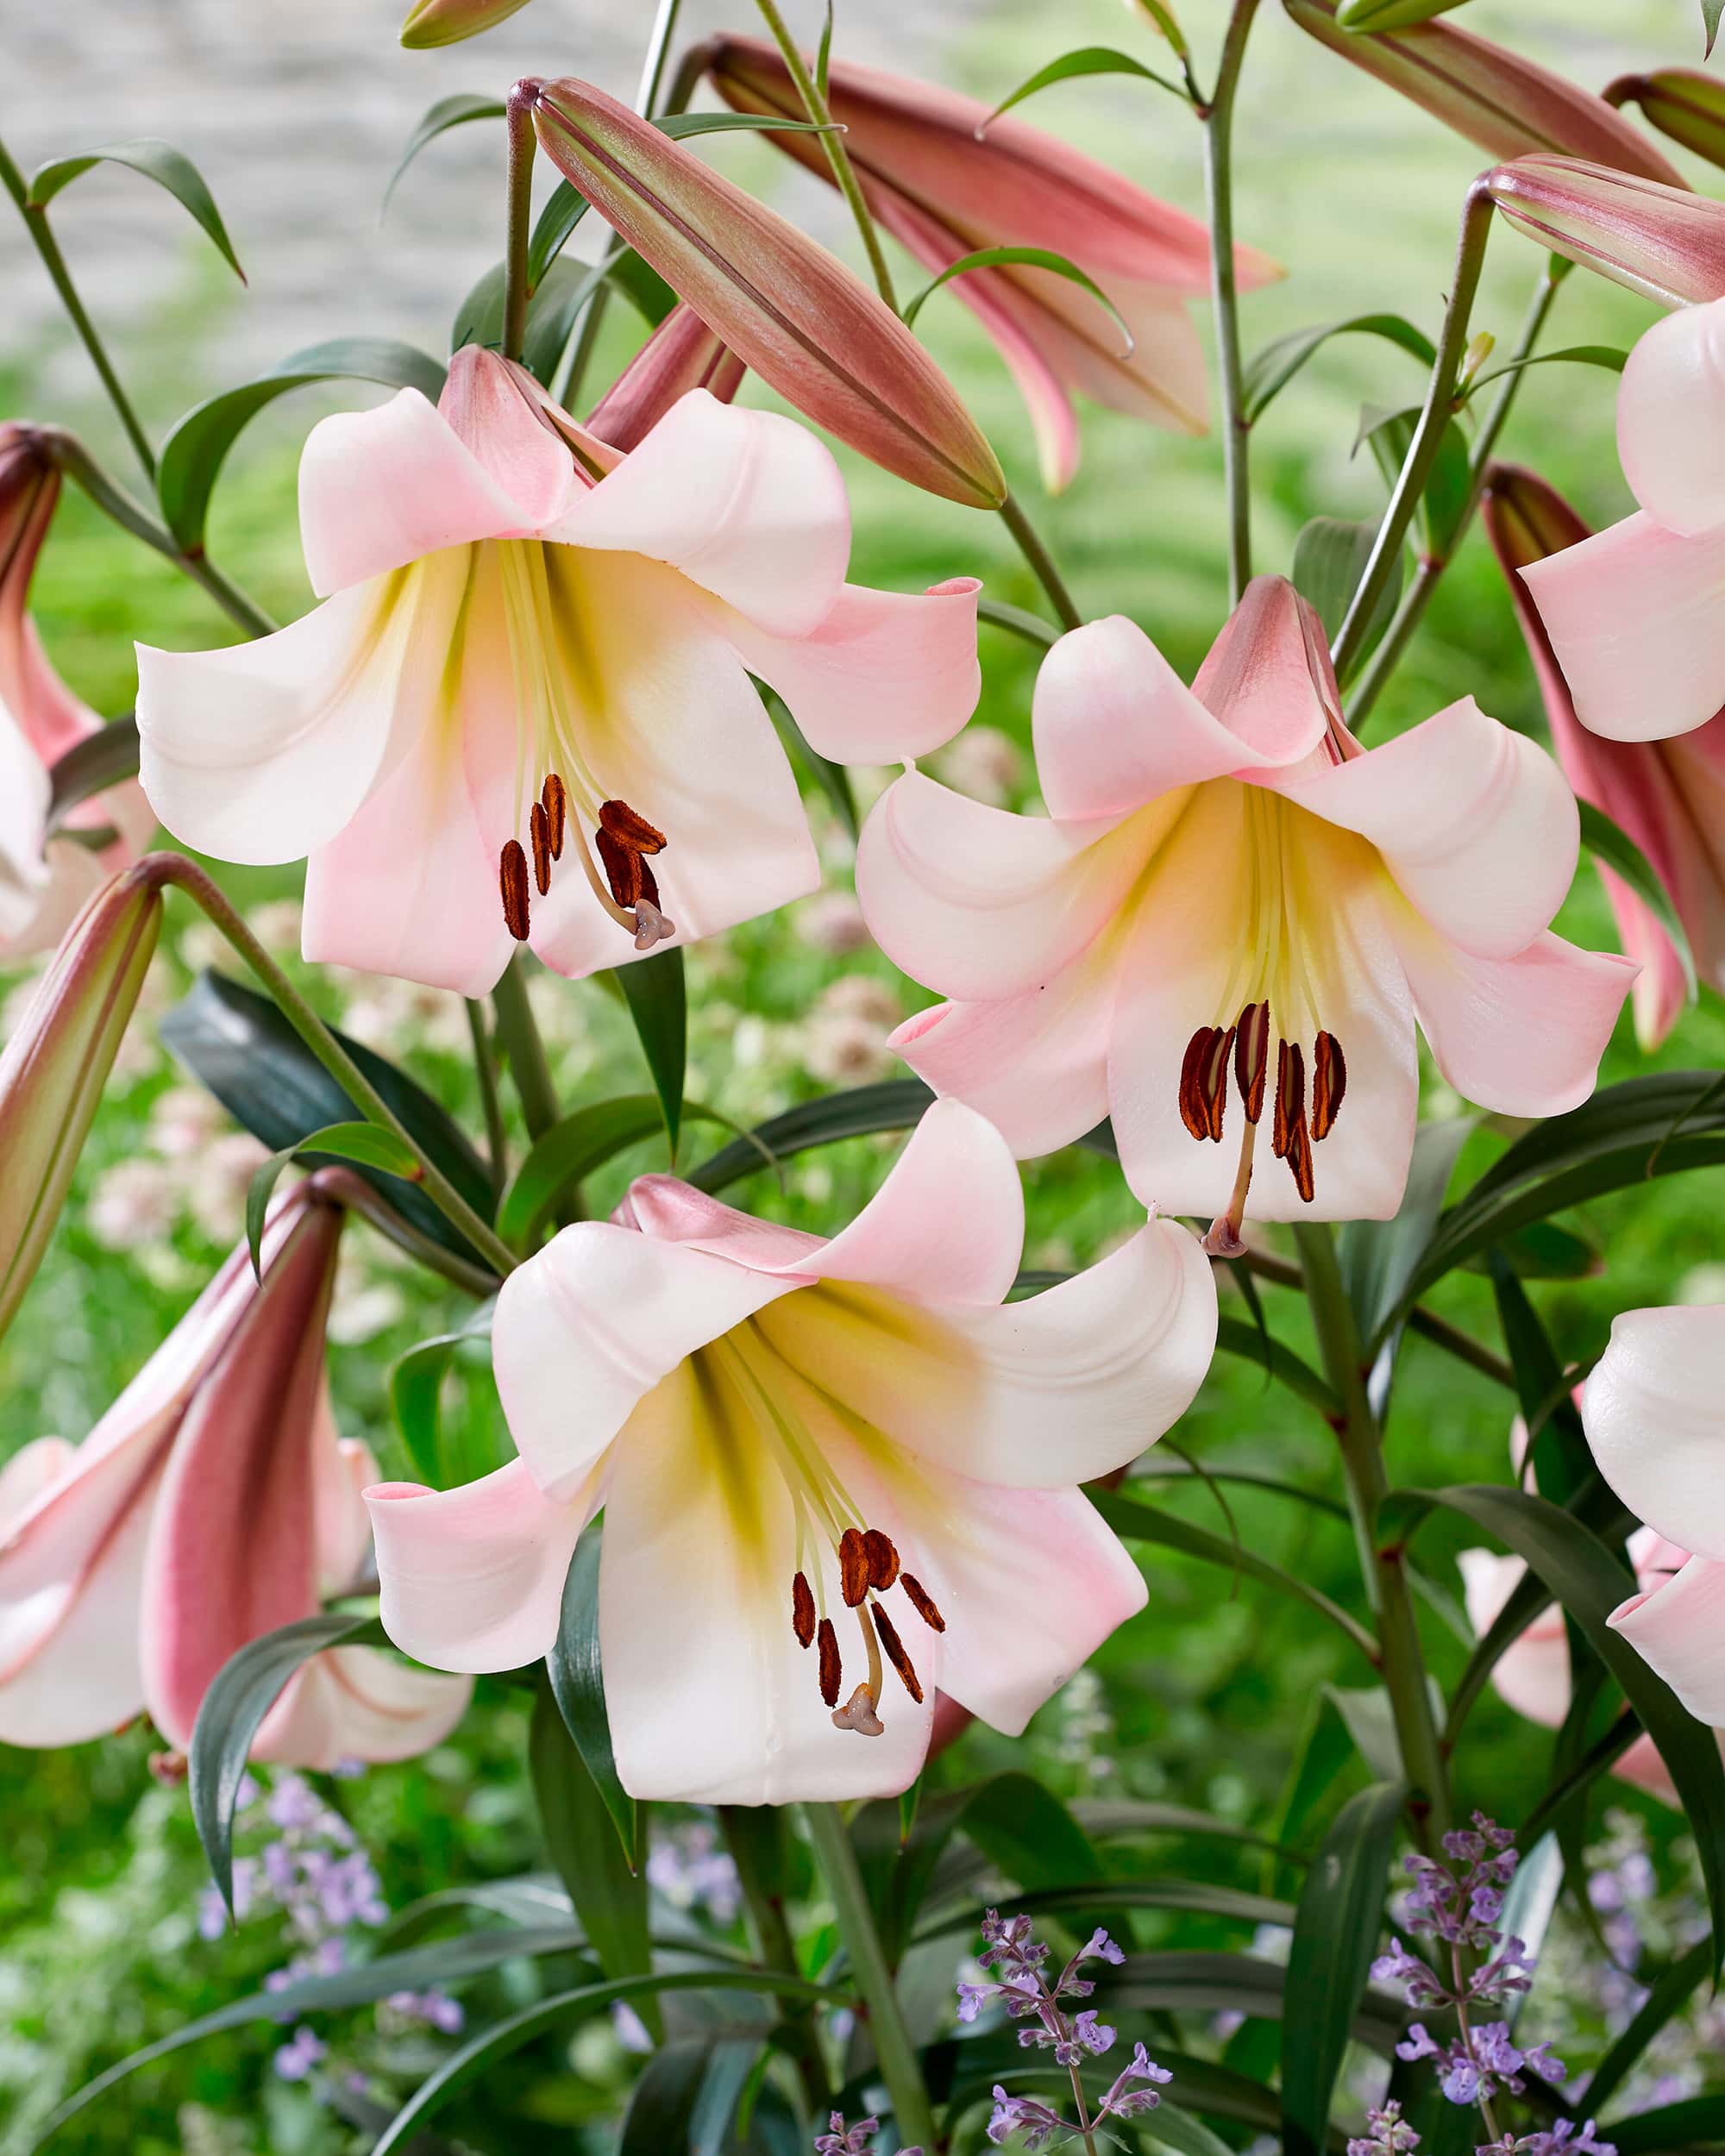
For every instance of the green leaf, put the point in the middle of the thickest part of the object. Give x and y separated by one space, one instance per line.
447 113
1588 1579
1613 848
1697 2122
565 2008
1269 372
654 990
1623 1136
1088 59
823 53
447 1962
240 1693
1234 1905
609 1898
91 766
564 210
687 2095
578 1683
1201 1982
1233 1338
1709 22
416 1384
1336 1931
155 161
193 454
569 1152
1178 2130
1562 1462
894 1104
1671 1993
1390 15
1135 1522
1605 355
1443 502
1032 627
1377 1257
833 779
1041 257
1330 557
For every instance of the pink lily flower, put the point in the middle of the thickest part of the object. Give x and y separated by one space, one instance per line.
1668 795
44 880
945 185
1636 614
837 1476
1230 895
211 1503
1654 1421
534 646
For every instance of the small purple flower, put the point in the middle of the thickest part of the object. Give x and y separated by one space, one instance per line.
972 1999
1099 1947
1387 2134
1417 2043
1125 2100
303 2051
854 2140
1026 2115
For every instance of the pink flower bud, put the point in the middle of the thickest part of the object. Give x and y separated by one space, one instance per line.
448 21
52 1073
1506 104
1664 241
1682 102
787 309
681 354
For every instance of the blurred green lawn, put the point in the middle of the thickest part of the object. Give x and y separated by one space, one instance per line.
1206 1696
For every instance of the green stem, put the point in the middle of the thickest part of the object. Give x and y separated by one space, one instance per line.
359 1196
1422 451
35 218
517 289
814 103
485 1069
1418 596
777 1948
1041 562
518 1035
913 2114
175 869
1225 291
1382 1566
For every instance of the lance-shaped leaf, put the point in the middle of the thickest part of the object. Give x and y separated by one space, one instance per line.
1506 104
447 113
1662 242
155 161
789 310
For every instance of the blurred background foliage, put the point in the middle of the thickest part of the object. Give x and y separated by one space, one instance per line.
1209 1697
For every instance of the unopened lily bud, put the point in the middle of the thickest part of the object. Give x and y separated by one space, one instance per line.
1682 102
787 309
1479 350
681 354
1664 243
1505 103
55 1066
1390 15
448 21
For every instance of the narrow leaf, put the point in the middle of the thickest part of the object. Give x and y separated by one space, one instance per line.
1269 372
658 1004
1247 1341
1711 10
894 1104
1671 1992
578 1683
1613 848
416 1384
91 766
1330 557
1088 59
258 1191
570 1151
1032 627
1041 257
1606 355
447 113
833 779
155 161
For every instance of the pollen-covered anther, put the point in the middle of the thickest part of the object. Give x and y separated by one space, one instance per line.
512 880
1290 1097
1329 1084
632 829
922 1602
893 1648
883 1560
625 870
802 1611
555 799
832 1669
853 1567
1193 1110
1251 1057
539 831
858 1714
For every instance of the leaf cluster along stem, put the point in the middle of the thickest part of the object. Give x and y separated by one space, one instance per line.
894 2048
1218 118
1422 449
833 141
1418 596
175 869
1402 1658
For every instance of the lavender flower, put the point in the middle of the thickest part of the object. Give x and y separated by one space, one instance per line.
303 2051
1025 2115
1387 2134
843 2141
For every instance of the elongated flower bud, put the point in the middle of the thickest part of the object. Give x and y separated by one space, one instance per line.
788 309
1663 241
55 1064
1682 102
448 21
1496 98
681 354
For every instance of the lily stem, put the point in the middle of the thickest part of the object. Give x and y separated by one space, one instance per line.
912 2114
518 1035
1402 1658
35 218
1042 563
516 288
1422 451
1418 596
1218 118
485 1069
833 141
175 869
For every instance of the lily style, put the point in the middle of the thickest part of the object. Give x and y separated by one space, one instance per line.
1668 795
947 181
45 875
1652 1414
1229 921
837 1475
211 1503
1636 614
524 712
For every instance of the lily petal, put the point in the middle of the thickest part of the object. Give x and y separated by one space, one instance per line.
360 1703
1679 1631
1652 1412
1671 420
496 409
